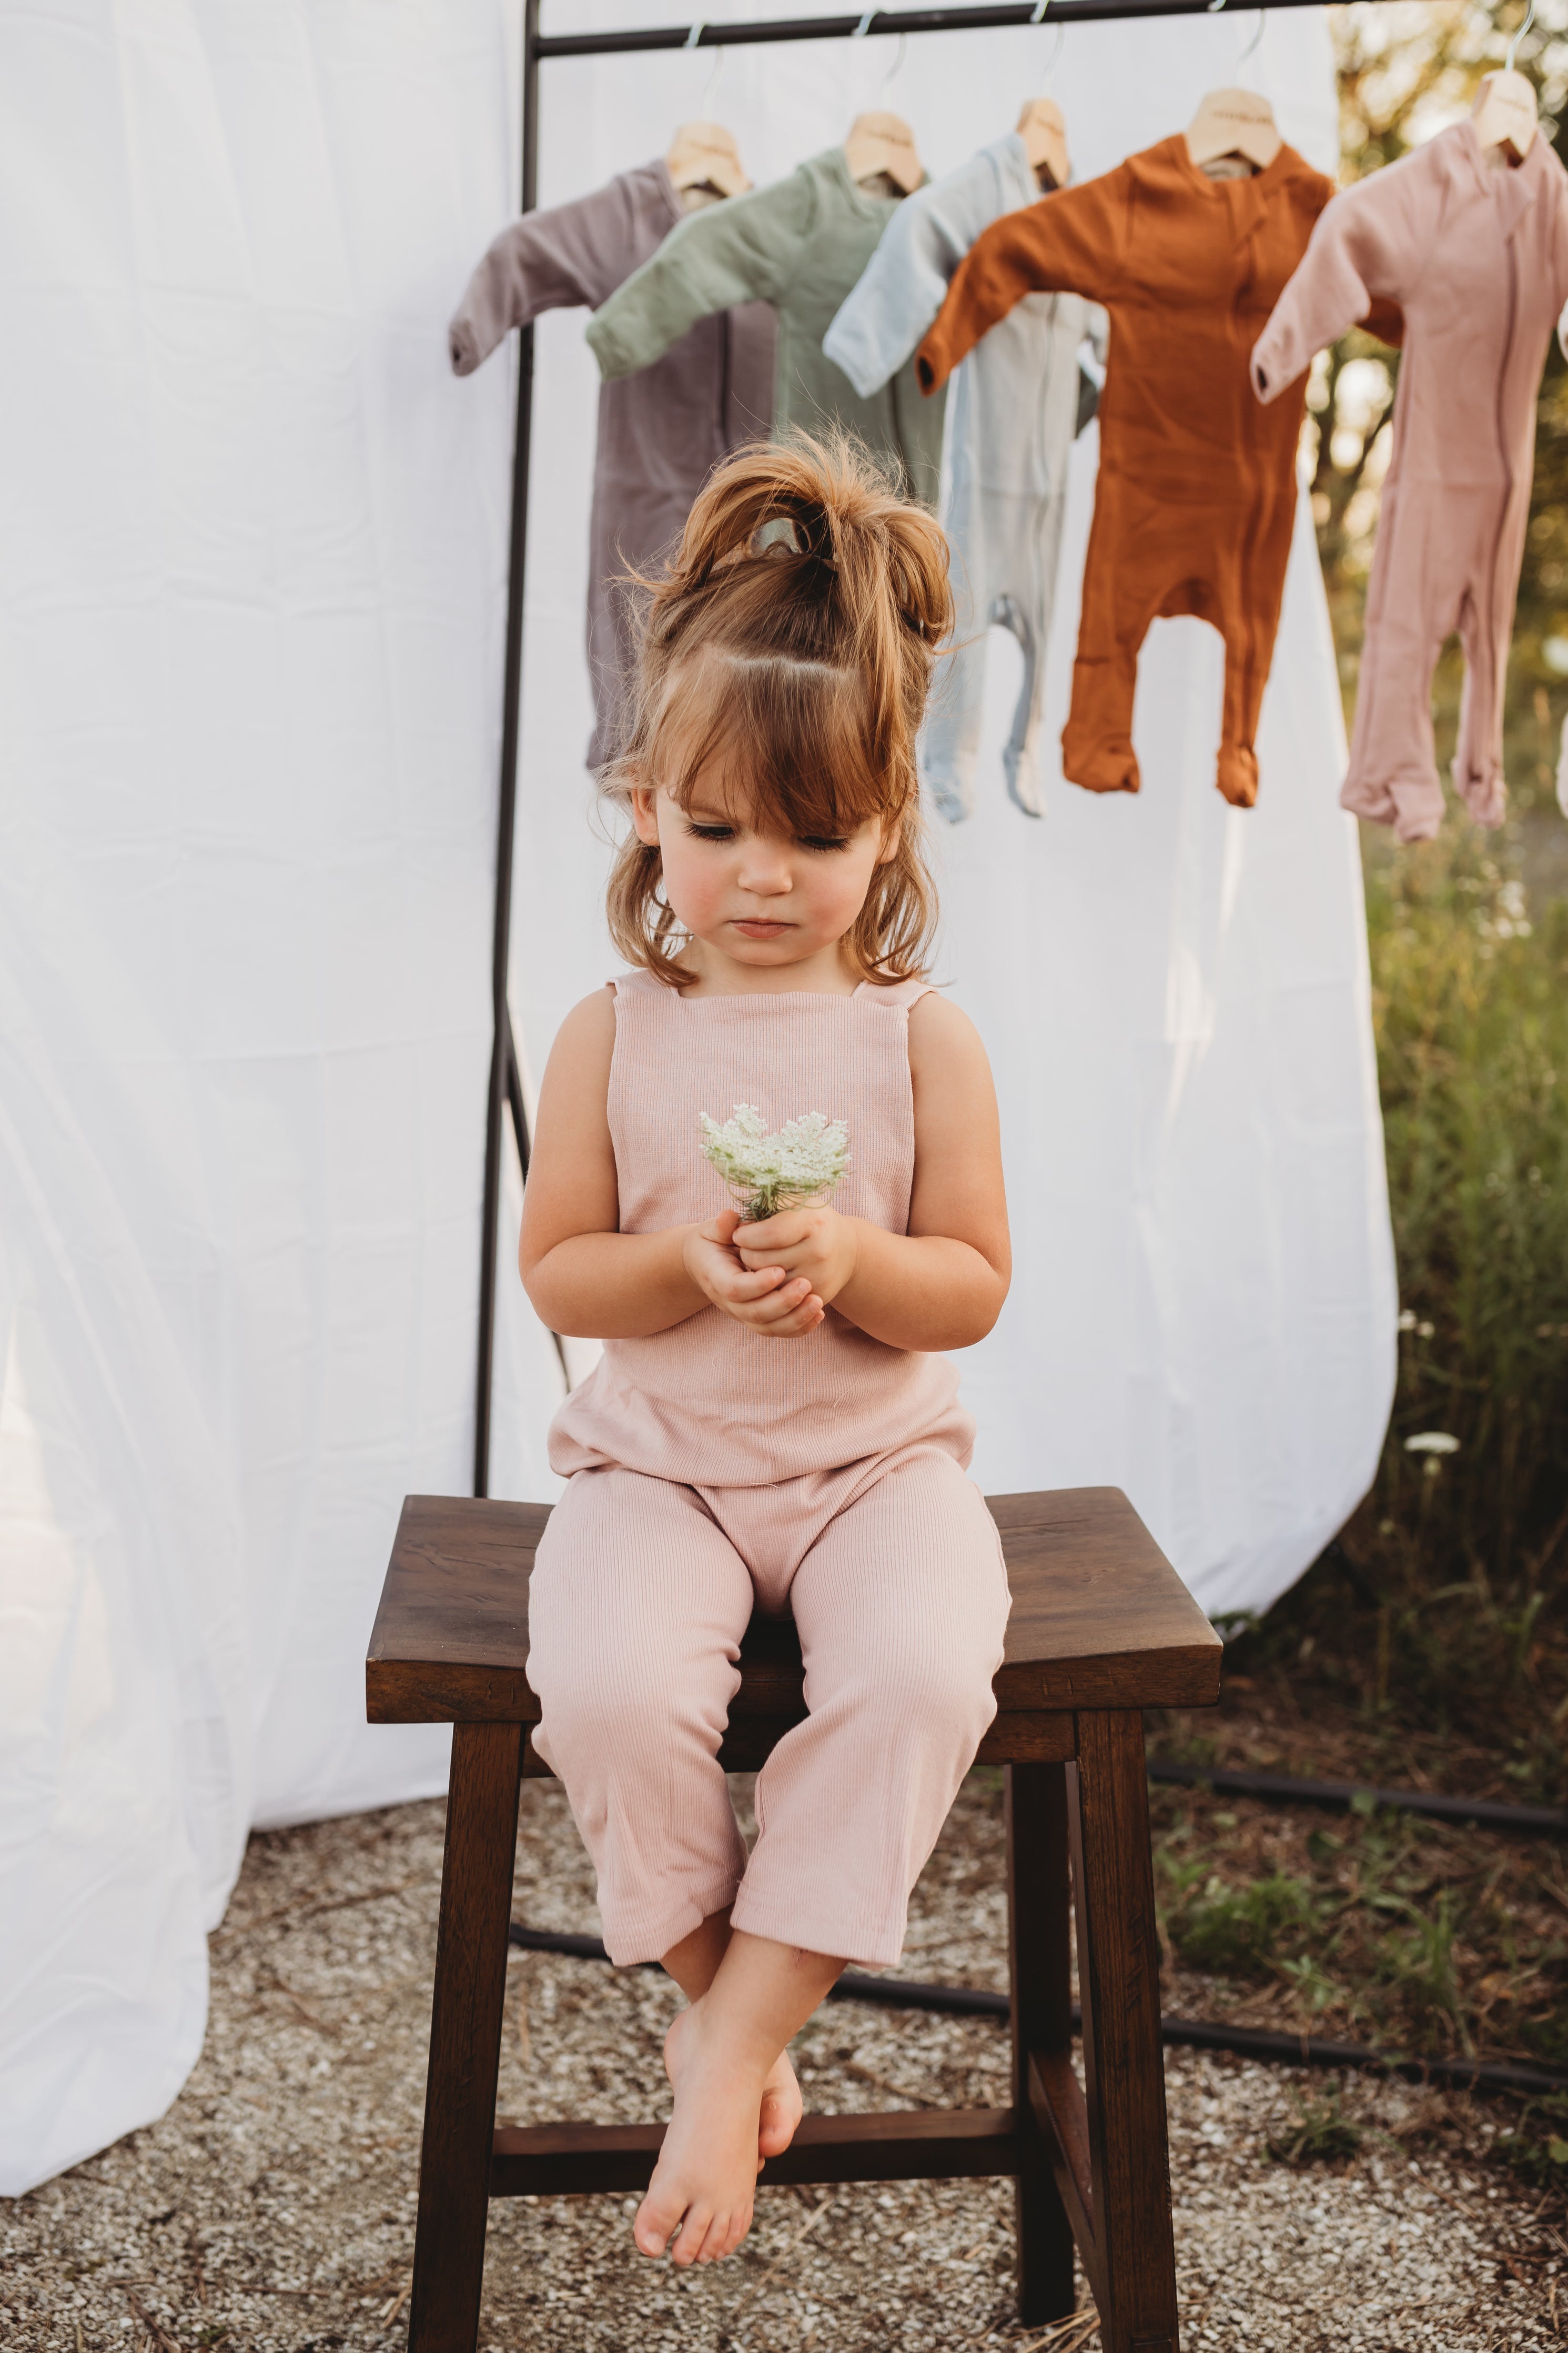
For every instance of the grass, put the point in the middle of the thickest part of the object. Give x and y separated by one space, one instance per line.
1319 2132
1412 1936
1440 1629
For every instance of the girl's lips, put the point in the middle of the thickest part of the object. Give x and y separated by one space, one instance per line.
755 929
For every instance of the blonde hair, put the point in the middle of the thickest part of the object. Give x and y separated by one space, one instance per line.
792 635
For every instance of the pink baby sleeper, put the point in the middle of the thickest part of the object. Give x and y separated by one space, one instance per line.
711 1471
1476 255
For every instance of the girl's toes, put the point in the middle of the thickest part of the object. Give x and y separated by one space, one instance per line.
653 2223
781 2110
719 2241
693 2235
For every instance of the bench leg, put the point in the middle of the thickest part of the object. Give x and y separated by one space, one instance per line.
1038 1931
1118 1991
464 2038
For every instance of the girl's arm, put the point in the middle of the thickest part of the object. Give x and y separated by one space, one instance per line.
583 1276
943 1285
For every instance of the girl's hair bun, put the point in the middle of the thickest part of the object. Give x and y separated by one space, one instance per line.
800 617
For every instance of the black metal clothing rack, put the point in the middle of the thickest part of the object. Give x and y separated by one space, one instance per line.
505 1081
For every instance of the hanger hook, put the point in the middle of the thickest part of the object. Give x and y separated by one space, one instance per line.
897 65
713 82
1513 45
1257 36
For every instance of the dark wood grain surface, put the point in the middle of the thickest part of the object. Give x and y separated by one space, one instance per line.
558 2160
464 2038
1124 2079
1100 1619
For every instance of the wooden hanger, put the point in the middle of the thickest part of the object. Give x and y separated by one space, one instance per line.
883 142
1504 112
704 155
1233 122
1044 132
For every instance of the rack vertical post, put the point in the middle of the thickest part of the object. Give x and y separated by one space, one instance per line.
505 1085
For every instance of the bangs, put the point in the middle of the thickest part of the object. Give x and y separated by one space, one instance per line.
792 738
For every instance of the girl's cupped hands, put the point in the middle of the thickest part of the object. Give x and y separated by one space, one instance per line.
779 1283
813 1244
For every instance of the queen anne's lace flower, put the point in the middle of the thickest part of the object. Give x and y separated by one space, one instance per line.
803 1162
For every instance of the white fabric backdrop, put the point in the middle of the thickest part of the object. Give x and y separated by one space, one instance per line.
1174 993
252 552
252 580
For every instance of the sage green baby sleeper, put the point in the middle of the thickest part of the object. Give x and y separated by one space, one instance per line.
800 245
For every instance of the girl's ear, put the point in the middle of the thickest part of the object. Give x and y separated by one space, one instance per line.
644 815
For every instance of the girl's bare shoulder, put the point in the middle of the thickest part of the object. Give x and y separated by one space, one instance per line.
590 1023
940 1032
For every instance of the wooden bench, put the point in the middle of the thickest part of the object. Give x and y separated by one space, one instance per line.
1101 1627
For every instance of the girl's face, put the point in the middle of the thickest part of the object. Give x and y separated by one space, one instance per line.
760 898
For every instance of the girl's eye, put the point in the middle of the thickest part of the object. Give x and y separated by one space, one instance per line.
824 841
713 832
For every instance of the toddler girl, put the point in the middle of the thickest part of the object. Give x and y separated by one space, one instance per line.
768 1427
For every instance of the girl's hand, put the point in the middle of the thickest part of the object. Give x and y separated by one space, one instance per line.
813 1244
760 1292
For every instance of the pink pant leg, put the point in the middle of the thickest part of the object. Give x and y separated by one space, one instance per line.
638 1605
901 1605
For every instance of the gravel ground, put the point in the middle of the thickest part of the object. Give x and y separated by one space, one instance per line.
273 2206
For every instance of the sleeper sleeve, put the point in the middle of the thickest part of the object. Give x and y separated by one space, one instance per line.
740 251
1066 244
1351 274
571 255
901 288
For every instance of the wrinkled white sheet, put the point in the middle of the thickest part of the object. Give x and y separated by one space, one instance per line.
252 553
252 559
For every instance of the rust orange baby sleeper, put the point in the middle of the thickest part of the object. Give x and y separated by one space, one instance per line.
1476 254
1196 497
712 1471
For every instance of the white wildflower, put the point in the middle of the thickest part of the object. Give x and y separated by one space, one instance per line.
803 1162
1431 1442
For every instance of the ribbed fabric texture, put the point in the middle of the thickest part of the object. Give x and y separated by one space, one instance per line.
710 1402
1476 258
714 1471
641 1591
1195 503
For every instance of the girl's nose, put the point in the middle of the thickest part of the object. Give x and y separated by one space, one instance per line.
765 877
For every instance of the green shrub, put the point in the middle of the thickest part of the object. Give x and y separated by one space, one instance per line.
1237 1931
1471 1010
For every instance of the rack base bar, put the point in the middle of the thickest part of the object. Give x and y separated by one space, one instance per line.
1262 2043
1435 1805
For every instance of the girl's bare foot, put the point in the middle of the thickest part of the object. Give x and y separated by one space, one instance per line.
699 2204
782 2102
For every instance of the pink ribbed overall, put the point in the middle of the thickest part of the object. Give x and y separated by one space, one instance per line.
712 1471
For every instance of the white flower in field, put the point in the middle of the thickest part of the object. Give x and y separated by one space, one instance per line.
1431 1442
1406 1319
801 1162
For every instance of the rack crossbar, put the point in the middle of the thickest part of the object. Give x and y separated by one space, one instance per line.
703 35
